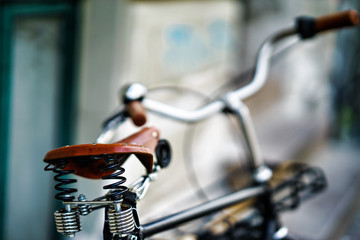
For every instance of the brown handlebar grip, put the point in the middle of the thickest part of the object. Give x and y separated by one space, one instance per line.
337 20
136 112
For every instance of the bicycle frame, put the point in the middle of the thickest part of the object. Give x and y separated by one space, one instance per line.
230 102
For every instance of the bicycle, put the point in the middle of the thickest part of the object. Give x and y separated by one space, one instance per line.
102 160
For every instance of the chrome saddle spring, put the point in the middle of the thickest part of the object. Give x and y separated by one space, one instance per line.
121 221
112 162
67 221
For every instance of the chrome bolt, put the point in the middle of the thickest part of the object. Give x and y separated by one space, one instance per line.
262 174
82 198
117 206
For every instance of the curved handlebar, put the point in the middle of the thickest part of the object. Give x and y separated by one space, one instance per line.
262 67
184 115
305 27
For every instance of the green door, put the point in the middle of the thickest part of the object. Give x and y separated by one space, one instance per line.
37 45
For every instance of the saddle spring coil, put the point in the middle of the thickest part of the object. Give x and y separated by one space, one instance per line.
120 216
65 192
112 162
67 219
67 222
121 221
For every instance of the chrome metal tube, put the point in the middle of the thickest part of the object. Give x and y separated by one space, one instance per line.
201 210
242 113
262 64
181 114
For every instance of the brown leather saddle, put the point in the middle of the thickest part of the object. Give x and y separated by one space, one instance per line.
87 159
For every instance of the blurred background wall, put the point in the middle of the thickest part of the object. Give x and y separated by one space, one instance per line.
63 63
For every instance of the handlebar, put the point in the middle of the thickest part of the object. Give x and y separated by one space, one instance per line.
259 79
308 27
305 27
337 20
